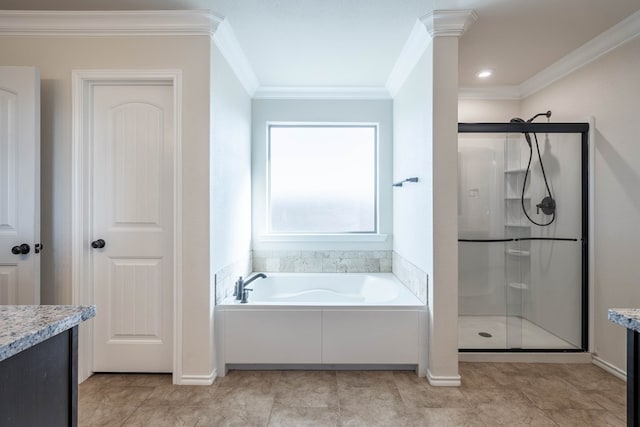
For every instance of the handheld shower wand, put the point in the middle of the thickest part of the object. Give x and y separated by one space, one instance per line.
519 120
548 204
526 135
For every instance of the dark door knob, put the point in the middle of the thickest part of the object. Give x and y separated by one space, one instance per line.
22 249
98 244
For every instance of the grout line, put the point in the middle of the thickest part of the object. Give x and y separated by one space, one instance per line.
273 394
339 419
124 422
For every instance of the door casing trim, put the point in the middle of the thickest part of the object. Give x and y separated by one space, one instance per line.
83 82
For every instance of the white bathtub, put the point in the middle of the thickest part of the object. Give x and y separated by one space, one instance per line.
329 289
322 320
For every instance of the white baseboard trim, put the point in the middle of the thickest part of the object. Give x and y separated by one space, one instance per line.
443 381
613 370
198 379
83 376
526 357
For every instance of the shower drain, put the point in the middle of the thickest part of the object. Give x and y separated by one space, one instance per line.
485 334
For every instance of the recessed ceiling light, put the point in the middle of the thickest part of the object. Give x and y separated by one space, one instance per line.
484 74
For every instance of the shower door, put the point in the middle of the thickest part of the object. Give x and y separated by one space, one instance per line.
522 270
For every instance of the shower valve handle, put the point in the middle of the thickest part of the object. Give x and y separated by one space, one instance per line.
548 206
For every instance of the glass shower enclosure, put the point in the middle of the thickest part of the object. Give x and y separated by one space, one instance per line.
523 233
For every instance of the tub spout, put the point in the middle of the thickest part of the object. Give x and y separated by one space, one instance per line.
257 276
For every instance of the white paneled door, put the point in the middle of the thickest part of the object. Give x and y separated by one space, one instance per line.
19 185
132 232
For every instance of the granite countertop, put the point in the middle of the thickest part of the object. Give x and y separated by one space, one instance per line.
627 317
23 326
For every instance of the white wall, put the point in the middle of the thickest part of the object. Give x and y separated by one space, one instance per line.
350 111
56 57
412 157
230 176
608 89
230 166
443 290
425 223
487 111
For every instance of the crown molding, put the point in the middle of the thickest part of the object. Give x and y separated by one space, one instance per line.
616 36
134 23
107 23
490 93
409 56
322 92
621 33
225 39
437 23
448 23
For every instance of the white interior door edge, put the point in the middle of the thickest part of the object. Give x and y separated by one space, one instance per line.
83 82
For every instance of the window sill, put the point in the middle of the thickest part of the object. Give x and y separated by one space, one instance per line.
323 238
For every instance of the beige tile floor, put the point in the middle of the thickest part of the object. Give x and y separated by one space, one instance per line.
492 394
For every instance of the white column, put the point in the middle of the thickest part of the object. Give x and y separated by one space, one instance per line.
445 27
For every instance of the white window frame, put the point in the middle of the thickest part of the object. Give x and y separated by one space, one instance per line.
364 236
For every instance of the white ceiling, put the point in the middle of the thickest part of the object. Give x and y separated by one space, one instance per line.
356 42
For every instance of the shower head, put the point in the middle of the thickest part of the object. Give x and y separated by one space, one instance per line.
526 135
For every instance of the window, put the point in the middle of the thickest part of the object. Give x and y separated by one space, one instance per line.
322 179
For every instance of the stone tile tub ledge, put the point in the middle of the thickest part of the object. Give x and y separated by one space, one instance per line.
24 326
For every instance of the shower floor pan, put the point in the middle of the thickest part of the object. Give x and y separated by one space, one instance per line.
491 332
